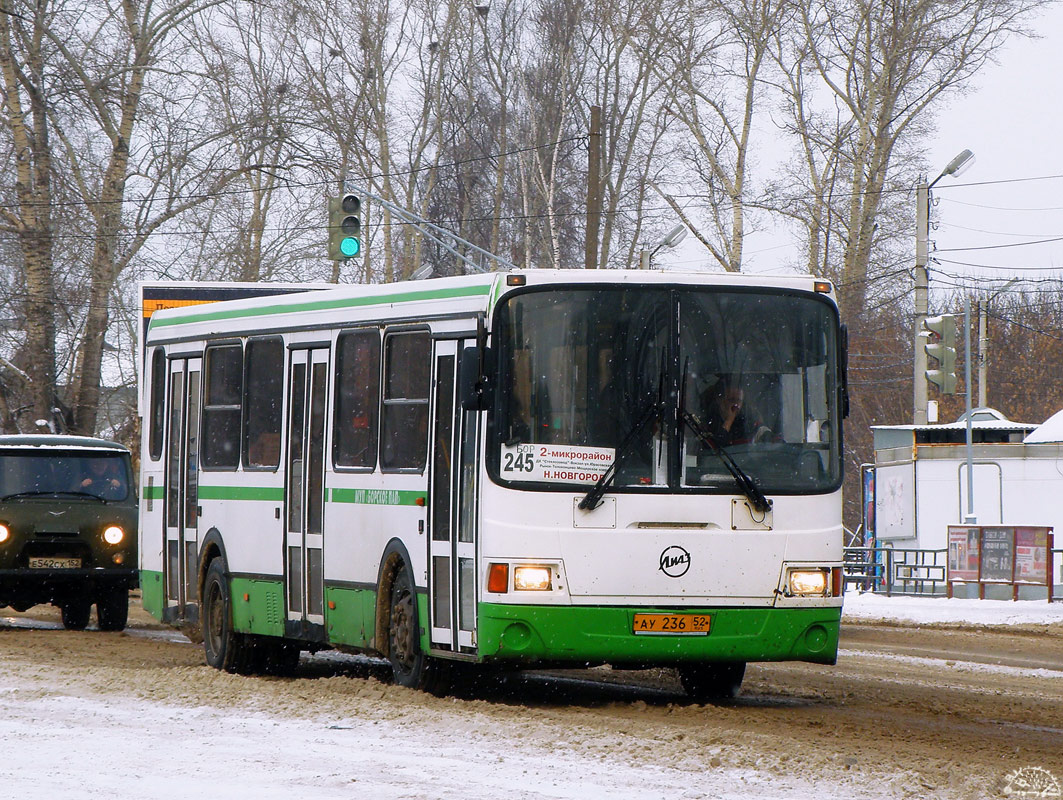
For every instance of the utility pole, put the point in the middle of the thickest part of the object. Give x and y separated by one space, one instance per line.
922 247
594 188
983 345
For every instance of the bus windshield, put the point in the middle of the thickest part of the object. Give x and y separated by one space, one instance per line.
673 381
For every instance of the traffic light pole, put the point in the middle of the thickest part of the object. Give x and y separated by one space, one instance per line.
440 236
922 236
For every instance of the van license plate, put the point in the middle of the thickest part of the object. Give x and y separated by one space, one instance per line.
42 562
672 624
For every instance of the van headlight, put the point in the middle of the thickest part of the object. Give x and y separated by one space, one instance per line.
5 533
113 534
808 582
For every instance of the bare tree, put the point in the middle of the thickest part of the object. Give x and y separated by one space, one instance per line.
719 51
81 81
863 78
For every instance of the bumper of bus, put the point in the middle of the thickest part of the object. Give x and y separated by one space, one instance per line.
604 634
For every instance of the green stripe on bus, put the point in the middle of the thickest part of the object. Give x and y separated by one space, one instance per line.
323 305
378 497
270 493
154 492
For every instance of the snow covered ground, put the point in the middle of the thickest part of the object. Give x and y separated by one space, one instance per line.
868 605
70 739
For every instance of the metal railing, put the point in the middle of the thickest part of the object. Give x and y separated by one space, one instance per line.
913 572
894 570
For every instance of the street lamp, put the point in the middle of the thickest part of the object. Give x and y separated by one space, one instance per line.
922 246
671 239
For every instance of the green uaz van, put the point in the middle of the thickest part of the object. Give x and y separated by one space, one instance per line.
68 527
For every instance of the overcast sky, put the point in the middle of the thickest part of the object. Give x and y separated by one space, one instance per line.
1011 123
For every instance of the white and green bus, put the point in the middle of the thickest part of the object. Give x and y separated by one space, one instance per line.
525 468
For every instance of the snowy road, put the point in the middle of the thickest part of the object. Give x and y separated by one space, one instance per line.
944 712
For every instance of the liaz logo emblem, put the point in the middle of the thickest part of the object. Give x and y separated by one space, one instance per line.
675 561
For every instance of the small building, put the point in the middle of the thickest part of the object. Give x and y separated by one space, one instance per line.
920 479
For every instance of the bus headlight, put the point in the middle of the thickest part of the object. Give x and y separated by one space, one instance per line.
809 582
5 533
531 579
113 535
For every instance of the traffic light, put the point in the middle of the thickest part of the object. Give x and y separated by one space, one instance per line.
941 345
344 227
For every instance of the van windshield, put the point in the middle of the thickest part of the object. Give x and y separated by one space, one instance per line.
105 476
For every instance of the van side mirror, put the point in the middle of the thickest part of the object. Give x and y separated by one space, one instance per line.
474 384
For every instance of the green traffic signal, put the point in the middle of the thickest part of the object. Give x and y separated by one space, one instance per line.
345 227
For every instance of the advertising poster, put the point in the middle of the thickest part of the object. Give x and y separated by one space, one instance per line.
869 507
1031 555
963 552
998 554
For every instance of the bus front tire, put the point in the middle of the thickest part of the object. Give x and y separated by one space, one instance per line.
409 665
712 681
225 649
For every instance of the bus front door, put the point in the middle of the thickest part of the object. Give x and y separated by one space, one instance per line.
305 491
182 471
452 521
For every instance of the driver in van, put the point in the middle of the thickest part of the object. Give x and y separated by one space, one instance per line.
100 479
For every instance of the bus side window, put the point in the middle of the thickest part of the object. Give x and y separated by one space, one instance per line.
222 406
263 390
407 376
158 403
357 399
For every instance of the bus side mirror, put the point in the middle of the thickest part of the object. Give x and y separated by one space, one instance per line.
474 385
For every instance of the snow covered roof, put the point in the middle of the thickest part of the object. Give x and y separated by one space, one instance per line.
981 418
1051 430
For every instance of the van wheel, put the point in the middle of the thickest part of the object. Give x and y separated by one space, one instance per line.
409 666
712 681
76 614
112 609
224 648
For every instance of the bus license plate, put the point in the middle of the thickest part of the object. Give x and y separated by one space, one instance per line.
672 624
40 562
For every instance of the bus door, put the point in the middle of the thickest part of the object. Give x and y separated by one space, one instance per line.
182 481
452 520
305 490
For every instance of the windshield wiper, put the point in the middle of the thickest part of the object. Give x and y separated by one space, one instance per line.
746 484
593 498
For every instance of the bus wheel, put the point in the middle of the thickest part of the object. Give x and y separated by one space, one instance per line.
410 667
112 609
712 681
76 614
224 648
276 657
